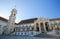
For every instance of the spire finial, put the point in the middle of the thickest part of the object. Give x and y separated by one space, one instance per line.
14 6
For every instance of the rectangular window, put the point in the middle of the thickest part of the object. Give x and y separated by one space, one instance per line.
0 26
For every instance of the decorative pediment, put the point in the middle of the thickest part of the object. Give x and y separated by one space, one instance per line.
41 19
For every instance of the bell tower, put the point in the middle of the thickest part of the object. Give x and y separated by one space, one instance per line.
11 22
12 18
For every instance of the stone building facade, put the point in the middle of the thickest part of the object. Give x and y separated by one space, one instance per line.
32 26
28 27
37 25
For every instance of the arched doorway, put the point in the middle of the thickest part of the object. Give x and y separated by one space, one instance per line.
42 26
47 26
37 27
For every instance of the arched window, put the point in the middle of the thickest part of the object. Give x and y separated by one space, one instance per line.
42 26
47 26
14 14
0 26
37 27
32 28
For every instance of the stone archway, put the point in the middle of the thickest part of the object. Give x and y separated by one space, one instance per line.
37 27
42 26
47 26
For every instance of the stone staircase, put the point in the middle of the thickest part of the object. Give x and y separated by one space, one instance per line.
54 33
44 35
25 37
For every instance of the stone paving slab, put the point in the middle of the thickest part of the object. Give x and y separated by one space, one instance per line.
23 37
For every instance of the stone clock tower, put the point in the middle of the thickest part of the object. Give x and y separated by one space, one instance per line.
11 22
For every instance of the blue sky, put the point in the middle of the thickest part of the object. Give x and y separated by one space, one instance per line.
27 9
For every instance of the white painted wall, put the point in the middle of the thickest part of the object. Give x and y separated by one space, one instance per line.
2 23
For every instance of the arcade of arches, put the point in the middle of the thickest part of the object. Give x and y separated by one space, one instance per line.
42 25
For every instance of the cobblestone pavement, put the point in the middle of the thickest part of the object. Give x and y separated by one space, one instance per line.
24 37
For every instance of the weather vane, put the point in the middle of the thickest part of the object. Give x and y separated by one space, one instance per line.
14 4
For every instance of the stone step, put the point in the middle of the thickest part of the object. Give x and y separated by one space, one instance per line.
23 37
44 35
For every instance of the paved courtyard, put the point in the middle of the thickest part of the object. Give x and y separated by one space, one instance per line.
25 37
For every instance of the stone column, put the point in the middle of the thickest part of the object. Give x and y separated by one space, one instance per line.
30 28
49 25
53 28
25 29
35 27
39 27
44 27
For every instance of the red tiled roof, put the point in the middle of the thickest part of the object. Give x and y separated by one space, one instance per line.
54 19
27 21
3 19
32 20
